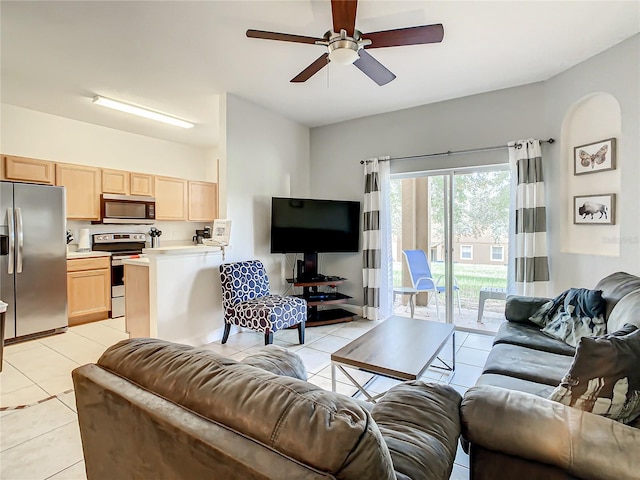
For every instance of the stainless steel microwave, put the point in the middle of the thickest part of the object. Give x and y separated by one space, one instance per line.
130 209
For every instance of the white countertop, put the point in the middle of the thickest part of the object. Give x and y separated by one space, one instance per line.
181 250
71 255
142 261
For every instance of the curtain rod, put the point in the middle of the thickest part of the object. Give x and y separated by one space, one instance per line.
456 152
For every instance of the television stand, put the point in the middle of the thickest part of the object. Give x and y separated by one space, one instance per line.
315 299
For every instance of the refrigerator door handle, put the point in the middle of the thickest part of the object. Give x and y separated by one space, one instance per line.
20 235
12 241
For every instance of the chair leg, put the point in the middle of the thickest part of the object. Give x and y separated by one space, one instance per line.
301 333
225 335
437 306
459 304
268 338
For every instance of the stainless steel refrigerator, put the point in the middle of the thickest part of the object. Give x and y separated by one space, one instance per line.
33 270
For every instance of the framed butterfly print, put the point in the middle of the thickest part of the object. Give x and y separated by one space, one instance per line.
594 157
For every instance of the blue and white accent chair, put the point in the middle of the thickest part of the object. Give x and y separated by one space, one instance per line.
422 279
247 302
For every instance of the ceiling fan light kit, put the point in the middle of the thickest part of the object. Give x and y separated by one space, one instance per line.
140 111
348 46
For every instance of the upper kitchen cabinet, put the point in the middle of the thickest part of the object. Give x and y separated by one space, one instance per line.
203 201
171 198
141 184
21 169
83 190
115 181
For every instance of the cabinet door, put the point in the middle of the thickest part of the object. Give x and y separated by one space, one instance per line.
88 295
203 201
83 190
171 198
115 181
141 184
21 169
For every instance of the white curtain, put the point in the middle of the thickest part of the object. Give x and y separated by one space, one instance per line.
377 271
528 237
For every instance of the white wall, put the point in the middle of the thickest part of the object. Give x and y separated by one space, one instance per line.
29 133
263 155
488 119
614 72
34 134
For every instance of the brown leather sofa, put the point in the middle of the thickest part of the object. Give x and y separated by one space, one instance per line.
150 409
514 432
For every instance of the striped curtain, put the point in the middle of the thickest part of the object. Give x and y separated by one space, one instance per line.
377 268
529 235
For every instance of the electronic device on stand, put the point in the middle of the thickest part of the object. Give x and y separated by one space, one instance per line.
311 226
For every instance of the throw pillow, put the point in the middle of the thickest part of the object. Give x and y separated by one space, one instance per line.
604 377
575 313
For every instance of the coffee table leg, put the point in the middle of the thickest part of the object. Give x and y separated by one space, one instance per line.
333 377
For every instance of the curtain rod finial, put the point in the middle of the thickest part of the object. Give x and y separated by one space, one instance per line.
551 140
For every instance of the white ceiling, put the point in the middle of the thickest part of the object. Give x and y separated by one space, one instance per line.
178 56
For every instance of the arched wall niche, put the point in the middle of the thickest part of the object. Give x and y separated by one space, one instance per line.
593 118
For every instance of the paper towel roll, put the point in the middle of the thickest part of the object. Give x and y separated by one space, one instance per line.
84 244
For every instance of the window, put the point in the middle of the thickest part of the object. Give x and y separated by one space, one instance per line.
497 253
466 252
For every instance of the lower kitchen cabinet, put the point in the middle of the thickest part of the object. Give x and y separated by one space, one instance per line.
88 289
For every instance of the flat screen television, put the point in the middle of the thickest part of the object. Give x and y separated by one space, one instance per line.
301 225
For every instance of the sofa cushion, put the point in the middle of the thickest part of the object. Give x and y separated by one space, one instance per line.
615 287
420 424
324 430
512 383
626 311
604 377
527 364
519 308
530 336
278 360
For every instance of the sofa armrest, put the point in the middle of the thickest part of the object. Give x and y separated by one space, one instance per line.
278 360
420 423
520 308
534 428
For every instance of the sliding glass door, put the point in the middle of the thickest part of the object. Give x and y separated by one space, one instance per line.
459 219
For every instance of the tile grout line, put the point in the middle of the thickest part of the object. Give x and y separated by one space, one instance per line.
64 469
50 397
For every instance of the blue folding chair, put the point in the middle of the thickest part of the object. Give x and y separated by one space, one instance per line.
422 279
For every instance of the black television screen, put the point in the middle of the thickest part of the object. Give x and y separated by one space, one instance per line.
300 225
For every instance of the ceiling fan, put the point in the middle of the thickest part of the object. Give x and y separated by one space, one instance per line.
347 45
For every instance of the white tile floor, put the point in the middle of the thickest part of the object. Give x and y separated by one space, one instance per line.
42 441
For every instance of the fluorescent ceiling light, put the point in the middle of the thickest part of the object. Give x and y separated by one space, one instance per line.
141 112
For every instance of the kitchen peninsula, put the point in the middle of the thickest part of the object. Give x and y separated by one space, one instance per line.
173 293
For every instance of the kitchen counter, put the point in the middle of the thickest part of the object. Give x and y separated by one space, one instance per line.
71 255
181 250
142 261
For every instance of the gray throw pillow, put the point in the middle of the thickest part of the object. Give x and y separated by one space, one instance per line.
604 377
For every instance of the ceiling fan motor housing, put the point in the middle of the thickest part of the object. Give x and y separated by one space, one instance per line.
344 49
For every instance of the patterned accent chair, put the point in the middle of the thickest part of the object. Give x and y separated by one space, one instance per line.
247 302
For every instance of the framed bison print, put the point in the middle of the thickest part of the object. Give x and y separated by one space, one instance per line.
594 209
594 157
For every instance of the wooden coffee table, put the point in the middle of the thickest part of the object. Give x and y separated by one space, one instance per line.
401 348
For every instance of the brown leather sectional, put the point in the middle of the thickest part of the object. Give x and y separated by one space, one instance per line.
514 432
150 409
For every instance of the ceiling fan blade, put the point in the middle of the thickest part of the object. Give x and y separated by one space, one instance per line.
406 36
373 69
283 37
344 15
312 69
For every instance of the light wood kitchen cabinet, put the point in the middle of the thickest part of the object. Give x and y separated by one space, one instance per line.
22 169
171 198
83 190
141 184
115 181
203 201
88 289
